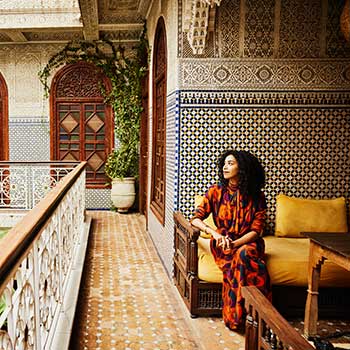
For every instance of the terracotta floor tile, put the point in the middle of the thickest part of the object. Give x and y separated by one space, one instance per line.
127 300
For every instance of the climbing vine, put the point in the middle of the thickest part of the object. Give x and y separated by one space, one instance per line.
125 74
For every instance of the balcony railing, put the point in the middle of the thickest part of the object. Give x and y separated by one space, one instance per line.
23 185
39 256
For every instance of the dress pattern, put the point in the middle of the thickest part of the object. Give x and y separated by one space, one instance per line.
234 216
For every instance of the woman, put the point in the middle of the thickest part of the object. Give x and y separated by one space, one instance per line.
239 209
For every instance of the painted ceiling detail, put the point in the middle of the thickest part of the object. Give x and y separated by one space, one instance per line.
60 21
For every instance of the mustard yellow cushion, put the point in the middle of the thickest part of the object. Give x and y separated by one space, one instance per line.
295 215
287 262
208 221
207 269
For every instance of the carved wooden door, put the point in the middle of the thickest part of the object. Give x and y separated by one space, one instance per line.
158 190
82 123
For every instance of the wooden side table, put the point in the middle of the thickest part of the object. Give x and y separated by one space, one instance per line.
323 245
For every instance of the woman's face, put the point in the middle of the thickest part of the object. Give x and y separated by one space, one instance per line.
230 169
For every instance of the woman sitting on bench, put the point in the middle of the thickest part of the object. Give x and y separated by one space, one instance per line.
239 209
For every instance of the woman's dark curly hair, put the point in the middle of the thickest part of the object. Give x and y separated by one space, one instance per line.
251 173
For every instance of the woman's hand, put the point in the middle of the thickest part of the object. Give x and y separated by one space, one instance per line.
226 243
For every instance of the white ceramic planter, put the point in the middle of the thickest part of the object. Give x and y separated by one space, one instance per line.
123 193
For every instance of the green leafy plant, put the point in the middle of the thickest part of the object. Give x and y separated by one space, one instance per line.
125 74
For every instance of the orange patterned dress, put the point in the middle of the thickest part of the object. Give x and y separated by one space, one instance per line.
234 216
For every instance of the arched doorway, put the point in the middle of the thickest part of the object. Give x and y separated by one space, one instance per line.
81 123
4 128
158 190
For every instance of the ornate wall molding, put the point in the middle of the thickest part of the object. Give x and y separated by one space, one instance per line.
264 74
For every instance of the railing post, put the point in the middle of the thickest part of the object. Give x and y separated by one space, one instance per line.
36 287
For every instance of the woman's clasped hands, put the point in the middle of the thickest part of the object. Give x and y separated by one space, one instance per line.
226 243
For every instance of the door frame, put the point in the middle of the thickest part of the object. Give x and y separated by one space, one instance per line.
4 124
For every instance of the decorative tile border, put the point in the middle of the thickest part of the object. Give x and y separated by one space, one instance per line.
261 98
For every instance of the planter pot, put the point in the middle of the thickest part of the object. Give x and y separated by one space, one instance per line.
123 193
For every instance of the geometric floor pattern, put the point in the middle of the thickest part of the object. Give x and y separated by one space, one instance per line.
127 300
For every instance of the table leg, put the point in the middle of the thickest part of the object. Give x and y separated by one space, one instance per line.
311 308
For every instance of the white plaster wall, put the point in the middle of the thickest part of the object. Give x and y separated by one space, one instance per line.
162 236
19 65
29 130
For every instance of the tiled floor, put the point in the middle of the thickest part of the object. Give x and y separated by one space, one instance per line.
128 302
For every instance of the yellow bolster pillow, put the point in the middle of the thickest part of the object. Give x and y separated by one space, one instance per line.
295 215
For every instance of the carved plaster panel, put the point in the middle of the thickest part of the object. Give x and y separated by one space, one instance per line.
264 74
259 28
199 18
300 28
27 89
19 65
228 16
43 6
39 20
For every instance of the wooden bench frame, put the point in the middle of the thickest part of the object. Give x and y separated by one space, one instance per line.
204 298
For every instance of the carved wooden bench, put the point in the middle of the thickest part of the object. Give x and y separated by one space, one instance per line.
204 298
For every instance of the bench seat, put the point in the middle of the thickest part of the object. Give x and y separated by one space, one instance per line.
287 263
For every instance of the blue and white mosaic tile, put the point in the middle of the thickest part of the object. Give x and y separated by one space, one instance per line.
304 147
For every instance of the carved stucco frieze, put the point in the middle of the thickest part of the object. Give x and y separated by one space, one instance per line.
199 19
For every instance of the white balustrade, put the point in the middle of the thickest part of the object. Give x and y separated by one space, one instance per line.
23 186
34 289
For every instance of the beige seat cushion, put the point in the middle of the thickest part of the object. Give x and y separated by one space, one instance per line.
207 269
287 263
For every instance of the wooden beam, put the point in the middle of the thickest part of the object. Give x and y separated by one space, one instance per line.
89 14
15 35
144 7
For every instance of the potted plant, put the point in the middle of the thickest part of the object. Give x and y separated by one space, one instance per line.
122 168
122 164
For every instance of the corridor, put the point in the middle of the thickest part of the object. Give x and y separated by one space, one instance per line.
127 301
